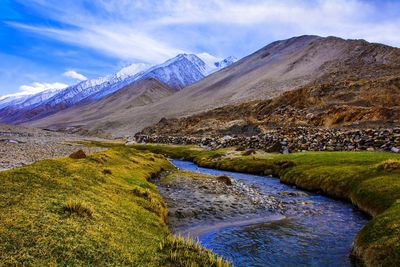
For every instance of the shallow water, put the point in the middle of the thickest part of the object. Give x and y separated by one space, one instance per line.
317 231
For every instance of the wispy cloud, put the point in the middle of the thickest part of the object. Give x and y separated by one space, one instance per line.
75 75
138 31
38 87
152 31
35 88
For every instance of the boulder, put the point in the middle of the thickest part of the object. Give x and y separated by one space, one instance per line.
80 154
395 150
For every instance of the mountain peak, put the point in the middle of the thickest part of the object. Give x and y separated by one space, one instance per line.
178 72
225 62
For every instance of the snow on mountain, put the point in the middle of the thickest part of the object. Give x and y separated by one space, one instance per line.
95 89
178 72
225 62
12 100
37 99
214 64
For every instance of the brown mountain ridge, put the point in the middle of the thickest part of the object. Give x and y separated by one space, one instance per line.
350 103
322 69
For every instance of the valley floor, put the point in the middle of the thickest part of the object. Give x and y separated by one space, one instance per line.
103 209
369 180
20 146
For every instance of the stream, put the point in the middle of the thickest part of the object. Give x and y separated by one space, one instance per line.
312 230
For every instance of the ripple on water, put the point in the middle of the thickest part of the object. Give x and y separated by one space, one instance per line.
320 238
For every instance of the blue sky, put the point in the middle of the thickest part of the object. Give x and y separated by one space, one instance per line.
52 43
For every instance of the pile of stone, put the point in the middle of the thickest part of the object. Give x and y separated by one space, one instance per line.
297 139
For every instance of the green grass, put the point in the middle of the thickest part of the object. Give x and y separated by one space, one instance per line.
370 180
97 211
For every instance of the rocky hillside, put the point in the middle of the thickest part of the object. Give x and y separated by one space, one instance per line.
329 69
361 103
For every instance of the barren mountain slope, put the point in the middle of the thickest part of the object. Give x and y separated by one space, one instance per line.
111 110
361 103
281 66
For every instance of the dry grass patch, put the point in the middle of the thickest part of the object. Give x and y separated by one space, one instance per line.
78 207
389 165
184 252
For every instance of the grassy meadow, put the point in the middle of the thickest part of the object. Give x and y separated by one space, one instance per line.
96 211
370 180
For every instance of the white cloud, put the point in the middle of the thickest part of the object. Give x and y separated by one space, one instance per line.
153 32
38 87
75 75
34 88
117 40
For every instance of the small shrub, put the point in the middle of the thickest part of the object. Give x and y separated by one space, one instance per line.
80 154
153 203
140 192
79 208
389 165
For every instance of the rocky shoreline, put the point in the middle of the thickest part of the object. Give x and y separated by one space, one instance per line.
193 198
199 202
298 139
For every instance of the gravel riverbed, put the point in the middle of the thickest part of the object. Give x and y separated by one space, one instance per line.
20 146
195 200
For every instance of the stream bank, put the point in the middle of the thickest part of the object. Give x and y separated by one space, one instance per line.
286 227
368 180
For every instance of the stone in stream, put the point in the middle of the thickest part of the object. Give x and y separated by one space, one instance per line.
225 179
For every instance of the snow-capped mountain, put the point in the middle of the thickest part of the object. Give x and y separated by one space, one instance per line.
225 63
13 100
178 72
37 99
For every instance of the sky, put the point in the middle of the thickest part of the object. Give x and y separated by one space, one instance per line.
50 44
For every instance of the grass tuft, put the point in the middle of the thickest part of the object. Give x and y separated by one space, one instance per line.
389 165
183 252
107 171
79 208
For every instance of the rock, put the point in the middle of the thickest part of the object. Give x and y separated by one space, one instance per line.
10 141
227 138
296 139
80 154
225 179
370 149
128 143
395 150
285 150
